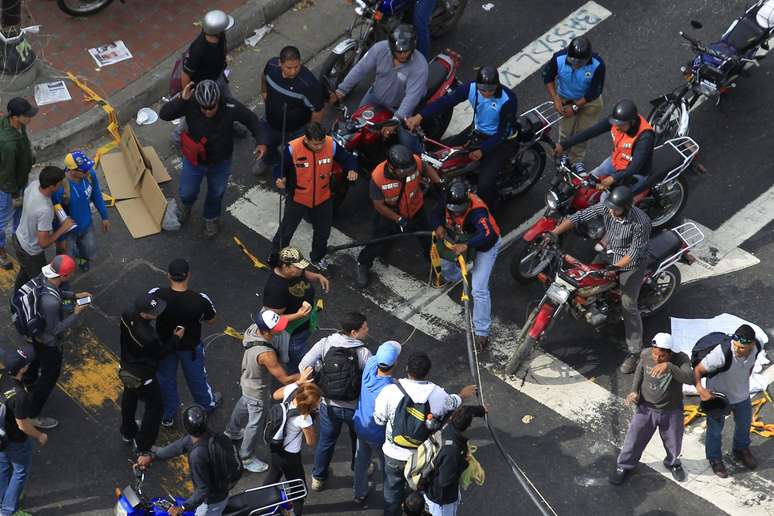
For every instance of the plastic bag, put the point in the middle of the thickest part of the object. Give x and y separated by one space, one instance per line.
170 222
474 472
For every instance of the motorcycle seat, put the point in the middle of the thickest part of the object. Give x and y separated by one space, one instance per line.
665 159
662 246
436 74
746 34
245 502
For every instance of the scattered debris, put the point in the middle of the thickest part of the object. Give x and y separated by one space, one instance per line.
258 35
303 4
488 6
146 116
111 53
51 92
527 419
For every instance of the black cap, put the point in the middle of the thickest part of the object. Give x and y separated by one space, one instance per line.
150 304
18 106
14 359
178 269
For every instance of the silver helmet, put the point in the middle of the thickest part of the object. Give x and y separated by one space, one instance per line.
207 94
216 22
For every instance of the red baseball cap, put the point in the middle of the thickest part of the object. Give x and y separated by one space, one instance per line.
61 265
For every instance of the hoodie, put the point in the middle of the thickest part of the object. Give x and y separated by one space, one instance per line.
314 356
78 204
15 158
370 387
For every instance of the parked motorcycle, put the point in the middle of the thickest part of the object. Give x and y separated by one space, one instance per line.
374 21
591 293
715 69
663 198
83 7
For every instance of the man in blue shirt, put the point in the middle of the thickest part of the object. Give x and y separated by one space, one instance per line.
495 110
80 189
574 79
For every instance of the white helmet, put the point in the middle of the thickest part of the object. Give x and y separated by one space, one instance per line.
216 22
765 16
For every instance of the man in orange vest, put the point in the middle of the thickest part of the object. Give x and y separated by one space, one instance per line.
396 191
307 177
464 221
633 140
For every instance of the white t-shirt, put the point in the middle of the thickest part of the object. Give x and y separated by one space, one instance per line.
37 215
294 429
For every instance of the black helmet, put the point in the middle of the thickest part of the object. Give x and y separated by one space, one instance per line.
401 161
620 198
624 111
403 39
207 93
195 420
457 199
579 50
487 79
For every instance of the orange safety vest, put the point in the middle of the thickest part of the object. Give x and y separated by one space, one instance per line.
623 144
313 172
456 223
411 200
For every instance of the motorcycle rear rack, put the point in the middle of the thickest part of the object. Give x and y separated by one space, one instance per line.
544 113
691 236
686 147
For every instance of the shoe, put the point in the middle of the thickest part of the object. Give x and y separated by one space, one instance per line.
44 423
719 468
745 456
169 423
678 473
481 342
183 211
210 228
361 502
362 275
126 439
217 399
321 265
234 437
255 465
618 476
317 484
629 363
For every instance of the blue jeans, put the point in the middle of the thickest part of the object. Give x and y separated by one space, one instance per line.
423 11
482 300
365 450
14 463
394 486
742 420
7 212
195 374
606 169
297 348
82 245
217 179
330 421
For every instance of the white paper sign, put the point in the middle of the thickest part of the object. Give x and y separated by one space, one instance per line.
111 53
51 92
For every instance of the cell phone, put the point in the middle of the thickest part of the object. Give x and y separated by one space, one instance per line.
83 301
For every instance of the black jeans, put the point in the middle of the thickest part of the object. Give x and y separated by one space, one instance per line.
321 218
488 170
384 227
29 264
42 375
290 466
151 420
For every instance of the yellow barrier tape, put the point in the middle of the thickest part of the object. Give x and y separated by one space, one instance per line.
258 264
464 269
233 332
112 127
692 412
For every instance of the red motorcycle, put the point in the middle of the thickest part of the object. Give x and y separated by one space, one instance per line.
663 199
591 293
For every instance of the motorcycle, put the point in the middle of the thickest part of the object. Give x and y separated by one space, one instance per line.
663 198
715 69
259 501
591 293
374 21
83 7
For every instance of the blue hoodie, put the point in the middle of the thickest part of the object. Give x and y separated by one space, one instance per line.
372 384
82 194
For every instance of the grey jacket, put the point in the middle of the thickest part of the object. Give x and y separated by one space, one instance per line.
56 324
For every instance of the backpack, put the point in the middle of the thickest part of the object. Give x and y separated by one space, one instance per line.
340 375
274 431
706 344
26 311
409 429
421 466
225 464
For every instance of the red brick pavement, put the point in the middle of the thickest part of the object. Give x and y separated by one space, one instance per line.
151 29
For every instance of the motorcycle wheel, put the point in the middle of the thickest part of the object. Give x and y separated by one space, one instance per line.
522 171
670 127
658 291
528 261
335 68
670 205
446 16
82 7
524 345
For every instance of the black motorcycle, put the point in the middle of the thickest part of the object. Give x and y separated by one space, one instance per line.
83 7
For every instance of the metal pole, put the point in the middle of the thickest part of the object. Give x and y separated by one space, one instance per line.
282 171
361 243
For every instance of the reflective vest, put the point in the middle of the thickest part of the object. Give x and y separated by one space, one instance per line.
411 200
456 223
623 144
487 111
313 172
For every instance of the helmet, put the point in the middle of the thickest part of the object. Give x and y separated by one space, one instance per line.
765 16
488 78
195 420
403 39
401 161
579 50
216 22
624 111
457 199
77 160
620 198
207 93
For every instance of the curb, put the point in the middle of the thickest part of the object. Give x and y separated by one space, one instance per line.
149 89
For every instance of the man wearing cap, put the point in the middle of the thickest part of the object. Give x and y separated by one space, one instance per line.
728 369
657 392
79 191
15 458
187 309
16 161
258 359
289 291
377 374
141 352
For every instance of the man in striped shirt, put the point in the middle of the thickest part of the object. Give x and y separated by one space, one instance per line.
627 231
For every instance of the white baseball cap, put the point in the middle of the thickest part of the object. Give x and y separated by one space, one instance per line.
662 341
268 320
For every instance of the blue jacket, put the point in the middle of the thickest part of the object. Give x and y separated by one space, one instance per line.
371 386
477 224
82 194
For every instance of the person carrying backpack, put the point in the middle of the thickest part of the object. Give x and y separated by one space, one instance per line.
339 360
399 407
728 366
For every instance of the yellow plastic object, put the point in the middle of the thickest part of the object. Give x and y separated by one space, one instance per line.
234 333
112 127
110 201
464 269
258 264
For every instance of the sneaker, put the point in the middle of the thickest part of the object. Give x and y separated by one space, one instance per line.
126 439
361 502
321 265
746 457
630 363
362 275
234 437
255 465
169 423
211 228
183 212
317 484
481 342
678 473
44 423
719 468
217 399
618 476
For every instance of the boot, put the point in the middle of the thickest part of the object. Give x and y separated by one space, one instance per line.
210 228
744 456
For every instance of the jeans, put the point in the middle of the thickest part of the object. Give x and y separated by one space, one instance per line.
247 414
742 420
217 176
330 421
42 375
146 435
275 140
290 466
212 509
7 213
394 486
482 300
195 374
383 227
449 509
365 450
14 463
644 424
29 264
297 348
606 169
423 11
82 245
321 218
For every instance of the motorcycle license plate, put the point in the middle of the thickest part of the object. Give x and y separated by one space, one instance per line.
558 294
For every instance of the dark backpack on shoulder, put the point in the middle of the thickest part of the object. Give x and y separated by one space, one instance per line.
340 375
225 463
706 344
277 419
26 307
409 428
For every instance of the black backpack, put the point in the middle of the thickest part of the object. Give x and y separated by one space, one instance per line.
274 431
26 312
340 376
706 344
225 463
409 428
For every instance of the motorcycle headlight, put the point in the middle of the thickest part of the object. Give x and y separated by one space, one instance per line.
552 200
558 294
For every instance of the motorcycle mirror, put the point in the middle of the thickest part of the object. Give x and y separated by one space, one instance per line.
696 24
